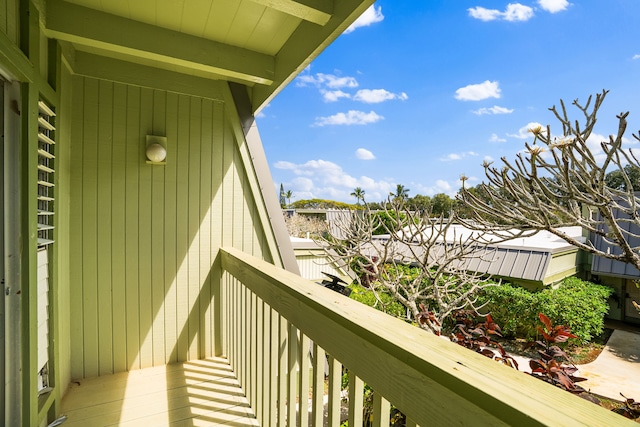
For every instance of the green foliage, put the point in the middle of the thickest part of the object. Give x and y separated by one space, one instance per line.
616 180
388 221
322 204
419 203
441 204
576 303
386 303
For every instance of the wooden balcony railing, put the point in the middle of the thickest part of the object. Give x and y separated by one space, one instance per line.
276 325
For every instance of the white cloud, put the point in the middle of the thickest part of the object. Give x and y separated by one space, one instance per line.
330 81
331 88
440 186
327 180
364 154
523 132
374 96
495 138
334 95
478 92
553 6
513 12
636 56
352 117
493 110
370 16
488 159
458 156
484 14
517 12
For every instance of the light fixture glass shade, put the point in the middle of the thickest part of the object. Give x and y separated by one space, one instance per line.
156 153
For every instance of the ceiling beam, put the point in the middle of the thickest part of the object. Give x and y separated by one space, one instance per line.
316 11
101 67
84 26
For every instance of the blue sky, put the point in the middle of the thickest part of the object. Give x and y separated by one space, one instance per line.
420 92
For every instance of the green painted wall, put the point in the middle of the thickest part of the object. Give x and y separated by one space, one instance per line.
9 20
144 238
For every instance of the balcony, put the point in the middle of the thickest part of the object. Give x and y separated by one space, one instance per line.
275 325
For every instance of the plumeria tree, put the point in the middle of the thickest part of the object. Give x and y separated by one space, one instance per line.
420 262
559 181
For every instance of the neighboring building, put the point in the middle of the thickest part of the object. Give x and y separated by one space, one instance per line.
535 261
313 261
540 260
622 277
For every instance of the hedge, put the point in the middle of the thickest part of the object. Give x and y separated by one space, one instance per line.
576 303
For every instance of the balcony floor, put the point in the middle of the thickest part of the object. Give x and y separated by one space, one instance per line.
196 393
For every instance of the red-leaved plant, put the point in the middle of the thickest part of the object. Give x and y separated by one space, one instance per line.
550 367
477 336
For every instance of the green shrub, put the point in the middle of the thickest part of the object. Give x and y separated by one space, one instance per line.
387 303
513 308
581 306
575 303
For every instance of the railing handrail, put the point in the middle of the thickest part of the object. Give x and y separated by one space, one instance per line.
428 378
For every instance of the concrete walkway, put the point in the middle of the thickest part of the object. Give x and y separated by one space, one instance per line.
617 368
615 371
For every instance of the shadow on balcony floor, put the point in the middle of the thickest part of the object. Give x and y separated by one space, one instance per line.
197 393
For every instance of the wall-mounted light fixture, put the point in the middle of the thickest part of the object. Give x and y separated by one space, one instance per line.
156 150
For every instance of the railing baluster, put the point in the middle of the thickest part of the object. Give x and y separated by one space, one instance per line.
246 342
318 385
305 367
237 324
335 384
241 338
356 389
293 375
273 366
282 371
259 379
381 410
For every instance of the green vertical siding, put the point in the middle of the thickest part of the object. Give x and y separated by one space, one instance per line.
9 20
145 237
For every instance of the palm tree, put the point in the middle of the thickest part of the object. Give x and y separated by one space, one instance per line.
401 194
282 198
288 195
358 193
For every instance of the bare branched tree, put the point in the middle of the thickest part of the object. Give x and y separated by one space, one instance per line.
304 226
559 182
422 263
